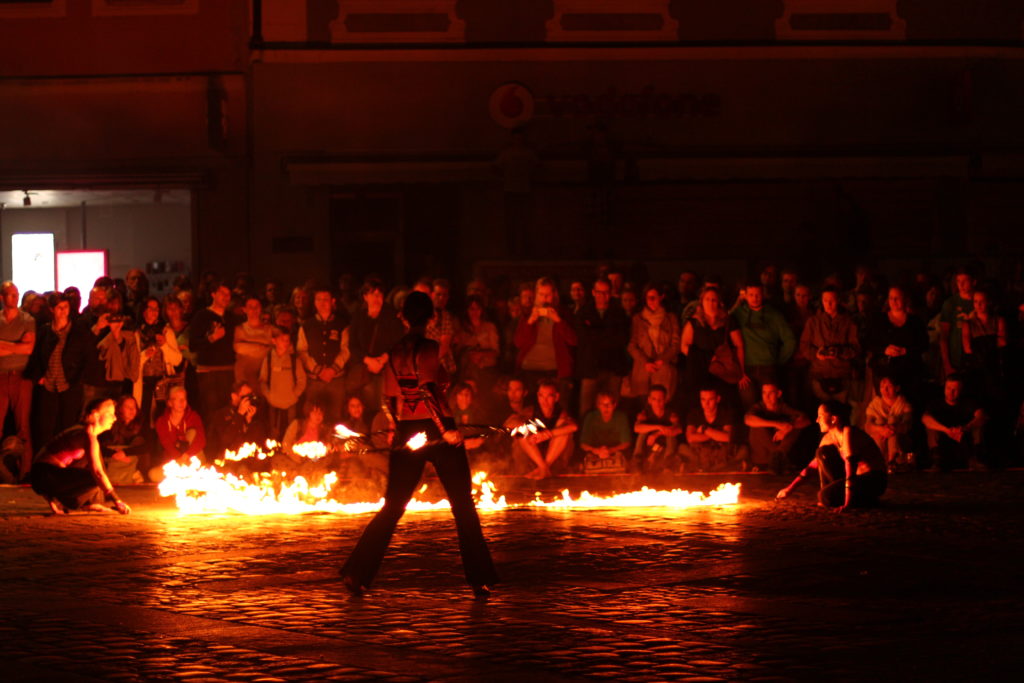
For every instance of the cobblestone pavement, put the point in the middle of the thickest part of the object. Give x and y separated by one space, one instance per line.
926 587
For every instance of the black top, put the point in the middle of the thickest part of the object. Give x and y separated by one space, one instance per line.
602 340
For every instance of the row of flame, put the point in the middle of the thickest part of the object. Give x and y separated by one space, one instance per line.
201 489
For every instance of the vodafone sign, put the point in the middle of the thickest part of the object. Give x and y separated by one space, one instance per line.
511 105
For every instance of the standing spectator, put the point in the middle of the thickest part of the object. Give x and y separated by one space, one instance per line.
888 420
56 365
476 343
518 307
251 343
180 431
282 382
952 317
768 342
774 430
984 338
95 322
302 302
374 330
602 331
709 443
688 289
119 351
653 345
713 347
323 353
897 343
137 289
954 425
441 327
544 340
606 437
830 341
657 429
577 297
158 357
17 339
629 301
211 339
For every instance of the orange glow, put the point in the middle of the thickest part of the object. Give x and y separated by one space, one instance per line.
201 489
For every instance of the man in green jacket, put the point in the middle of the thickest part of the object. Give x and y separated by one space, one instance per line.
768 341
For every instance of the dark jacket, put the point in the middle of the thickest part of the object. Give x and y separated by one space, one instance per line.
218 353
227 430
373 336
73 359
602 341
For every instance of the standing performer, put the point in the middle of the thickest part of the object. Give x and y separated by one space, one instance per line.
58 474
414 384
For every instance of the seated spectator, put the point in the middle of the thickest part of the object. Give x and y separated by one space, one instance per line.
954 425
282 382
606 438
830 342
237 423
125 449
850 466
774 430
888 420
465 412
516 409
709 428
252 343
57 474
355 416
551 447
181 434
658 431
308 428
653 345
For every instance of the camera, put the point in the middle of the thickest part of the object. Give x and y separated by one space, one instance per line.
253 398
116 318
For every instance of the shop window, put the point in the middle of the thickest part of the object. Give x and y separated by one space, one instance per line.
612 20
397 21
840 20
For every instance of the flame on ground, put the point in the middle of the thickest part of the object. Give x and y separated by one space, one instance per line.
205 489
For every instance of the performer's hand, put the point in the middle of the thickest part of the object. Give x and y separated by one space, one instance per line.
122 507
745 381
452 436
782 494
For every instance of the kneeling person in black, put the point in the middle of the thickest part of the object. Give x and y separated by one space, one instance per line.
414 383
68 472
851 467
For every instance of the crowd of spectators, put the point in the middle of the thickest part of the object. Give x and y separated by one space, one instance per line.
611 375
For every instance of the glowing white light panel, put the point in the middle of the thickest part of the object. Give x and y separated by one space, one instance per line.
32 261
80 269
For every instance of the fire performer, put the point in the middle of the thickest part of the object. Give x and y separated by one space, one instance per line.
851 467
414 384
58 474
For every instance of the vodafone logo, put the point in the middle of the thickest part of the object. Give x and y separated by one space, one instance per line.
511 105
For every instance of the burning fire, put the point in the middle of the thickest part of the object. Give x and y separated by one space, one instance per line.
208 489
417 441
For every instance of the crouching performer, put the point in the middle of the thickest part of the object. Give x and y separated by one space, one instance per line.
414 384
68 472
850 465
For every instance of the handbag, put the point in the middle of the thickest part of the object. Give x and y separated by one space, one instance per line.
724 364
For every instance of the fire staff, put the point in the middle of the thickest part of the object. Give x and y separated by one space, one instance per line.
414 384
